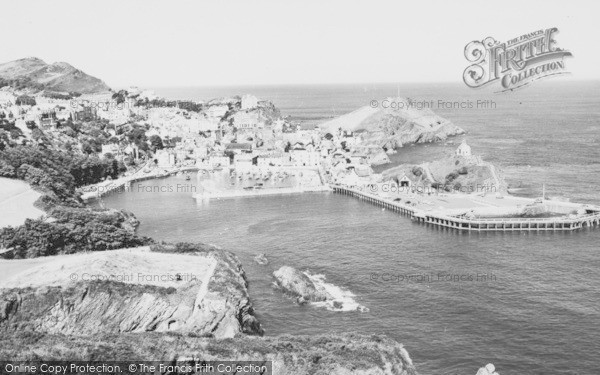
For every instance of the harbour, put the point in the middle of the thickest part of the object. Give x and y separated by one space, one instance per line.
590 219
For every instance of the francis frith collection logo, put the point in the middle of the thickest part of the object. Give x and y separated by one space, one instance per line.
515 63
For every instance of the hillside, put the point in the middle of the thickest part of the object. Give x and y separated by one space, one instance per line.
37 75
394 127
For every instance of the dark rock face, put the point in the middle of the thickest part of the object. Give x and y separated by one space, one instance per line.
221 308
298 284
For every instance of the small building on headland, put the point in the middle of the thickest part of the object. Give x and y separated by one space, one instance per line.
464 149
404 181
249 102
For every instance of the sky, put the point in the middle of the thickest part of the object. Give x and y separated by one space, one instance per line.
209 43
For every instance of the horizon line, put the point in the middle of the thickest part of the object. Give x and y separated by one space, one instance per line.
569 78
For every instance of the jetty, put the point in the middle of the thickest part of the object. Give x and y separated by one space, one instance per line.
591 218
100 189
237 193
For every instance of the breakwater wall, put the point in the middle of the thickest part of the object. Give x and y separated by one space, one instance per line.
590 219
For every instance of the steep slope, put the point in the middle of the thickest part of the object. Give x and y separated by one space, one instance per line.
131 290
35 74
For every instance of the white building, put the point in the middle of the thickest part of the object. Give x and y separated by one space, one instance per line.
206 125
464 149
133 151
305 158
272 160
243 161
246 120
112 149
249 102
165 158
216 111
404 181
219 161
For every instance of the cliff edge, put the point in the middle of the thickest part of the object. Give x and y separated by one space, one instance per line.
199 291
298 355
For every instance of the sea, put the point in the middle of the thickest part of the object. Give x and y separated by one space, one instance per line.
527 302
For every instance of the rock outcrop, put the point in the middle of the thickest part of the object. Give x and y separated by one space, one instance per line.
315 289
338 354
261 259
299 285
36 75
395 126
489 369
204 293
465 174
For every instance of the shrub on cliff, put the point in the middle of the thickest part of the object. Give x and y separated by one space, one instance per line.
74 228
93 232
181 247
451 177
417 171
56 172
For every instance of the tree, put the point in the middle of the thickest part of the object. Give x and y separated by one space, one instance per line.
37 134
120 96
156 143
25 100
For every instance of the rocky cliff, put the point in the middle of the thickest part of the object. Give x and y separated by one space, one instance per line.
466 174
394 126
135 290
36 75
111 306
297 355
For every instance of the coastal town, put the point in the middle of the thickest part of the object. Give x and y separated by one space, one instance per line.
299 188
243 146
241 134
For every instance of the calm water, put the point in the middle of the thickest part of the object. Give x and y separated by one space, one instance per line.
538 311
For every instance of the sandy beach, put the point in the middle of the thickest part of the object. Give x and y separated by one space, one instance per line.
16 202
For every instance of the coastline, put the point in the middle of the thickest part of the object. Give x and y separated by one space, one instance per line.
17 202
98 190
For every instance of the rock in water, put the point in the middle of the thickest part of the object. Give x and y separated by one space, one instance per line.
261 259
489 369
298 284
